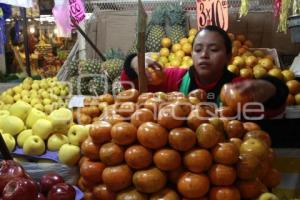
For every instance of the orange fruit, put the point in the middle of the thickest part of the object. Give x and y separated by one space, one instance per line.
247 167
251 61
235 129
238 61
207 135
272 179
197 160
191 39
290 100
226 153
294 86
192 185
259 72
166 42
259 53
234 69
235 50
288 75
180 54
276 72
224 193
246 73
248 43
176 62
266 63
251 189
222 175
251 126
242 50
241 38
236 43
231 36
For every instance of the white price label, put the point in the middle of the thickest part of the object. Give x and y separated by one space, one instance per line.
76 101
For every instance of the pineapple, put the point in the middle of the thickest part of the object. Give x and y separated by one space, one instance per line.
114 63
73 67
155 29
99 85
92 66
133 49
176 17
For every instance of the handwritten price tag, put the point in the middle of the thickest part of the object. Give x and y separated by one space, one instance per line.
212 12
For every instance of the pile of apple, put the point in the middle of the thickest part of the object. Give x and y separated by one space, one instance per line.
45 95
34 131
15 183
167 146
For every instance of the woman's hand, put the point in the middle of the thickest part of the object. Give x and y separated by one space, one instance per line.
259 90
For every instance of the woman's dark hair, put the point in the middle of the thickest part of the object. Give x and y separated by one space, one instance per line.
224 35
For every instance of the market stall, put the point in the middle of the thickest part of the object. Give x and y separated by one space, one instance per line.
105 141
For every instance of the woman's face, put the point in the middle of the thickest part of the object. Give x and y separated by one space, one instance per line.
209 56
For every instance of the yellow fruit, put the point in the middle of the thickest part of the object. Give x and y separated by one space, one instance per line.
246 73
288 75
154 56
242 50
185 58
168 64
192 32
187 48
238 61
190 62
176 47
251 61
276 72
191 39
172 56
163 60
183 41
266 63
235 51
180 54
166 42
176 62
259 53
259 72
234 69
164 52
247 54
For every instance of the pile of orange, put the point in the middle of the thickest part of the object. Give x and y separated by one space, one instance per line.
163 146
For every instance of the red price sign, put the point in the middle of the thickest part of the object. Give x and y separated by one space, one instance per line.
212 12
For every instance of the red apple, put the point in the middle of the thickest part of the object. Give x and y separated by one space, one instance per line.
62 191
49 180
20 188
9 169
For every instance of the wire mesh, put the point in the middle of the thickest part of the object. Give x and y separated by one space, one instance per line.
255 5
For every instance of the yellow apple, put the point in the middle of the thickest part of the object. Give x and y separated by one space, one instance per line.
42 128
34 145
12 125
69 154
23 136
55 141
9 141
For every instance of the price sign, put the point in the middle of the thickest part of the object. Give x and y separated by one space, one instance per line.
212 12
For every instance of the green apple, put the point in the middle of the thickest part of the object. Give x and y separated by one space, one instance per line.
44 84
4 113
26 86
77 134
34 101
9 141
10 92
17 97
63 92
45 94
33 116
55 141
39 106
56 90
35 86
34 145
43 128
12 125
46 101
26 99
23 136
20 109
268 196
69 154
7 99
61 119
25 93
28 80
17 89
